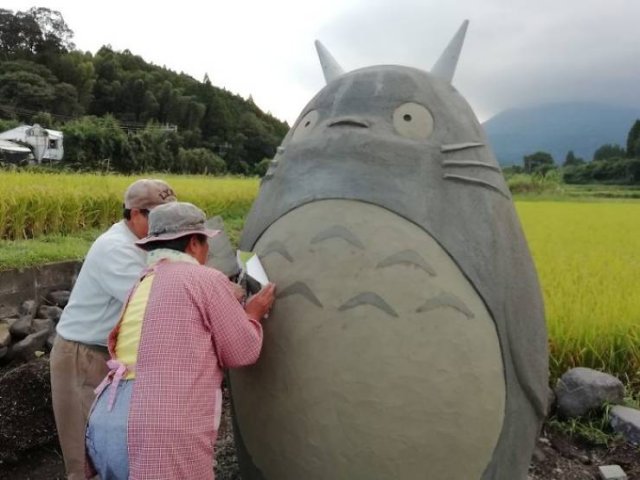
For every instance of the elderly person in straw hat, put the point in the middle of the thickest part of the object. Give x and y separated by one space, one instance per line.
79 355
158 410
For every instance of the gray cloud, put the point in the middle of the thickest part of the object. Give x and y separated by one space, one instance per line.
516 52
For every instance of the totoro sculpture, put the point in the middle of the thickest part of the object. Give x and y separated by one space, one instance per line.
408 338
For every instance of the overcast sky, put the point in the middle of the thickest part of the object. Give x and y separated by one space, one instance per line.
517 52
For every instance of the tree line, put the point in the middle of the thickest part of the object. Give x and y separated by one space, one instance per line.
611 163
114 108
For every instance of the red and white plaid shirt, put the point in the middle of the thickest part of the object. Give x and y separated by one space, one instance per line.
193 328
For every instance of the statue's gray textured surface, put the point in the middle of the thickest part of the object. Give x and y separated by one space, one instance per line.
375 149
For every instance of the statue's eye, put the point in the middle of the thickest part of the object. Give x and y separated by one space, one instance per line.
413 120
305 126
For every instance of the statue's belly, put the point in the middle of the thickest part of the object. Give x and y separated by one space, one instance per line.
380 360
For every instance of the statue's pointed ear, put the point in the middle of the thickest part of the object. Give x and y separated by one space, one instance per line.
330 67
445 67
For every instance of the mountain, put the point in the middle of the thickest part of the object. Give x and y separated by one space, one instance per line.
557 128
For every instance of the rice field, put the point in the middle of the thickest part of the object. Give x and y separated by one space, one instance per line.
587 253
588 261
36 204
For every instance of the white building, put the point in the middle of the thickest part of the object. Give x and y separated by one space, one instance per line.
45 144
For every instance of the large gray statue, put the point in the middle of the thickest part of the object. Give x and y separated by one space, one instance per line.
408 337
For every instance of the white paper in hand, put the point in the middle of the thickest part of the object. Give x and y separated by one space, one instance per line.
251 265
256 271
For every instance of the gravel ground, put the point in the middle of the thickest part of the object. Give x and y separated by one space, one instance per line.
26 419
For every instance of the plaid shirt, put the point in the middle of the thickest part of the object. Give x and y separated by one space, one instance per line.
193 328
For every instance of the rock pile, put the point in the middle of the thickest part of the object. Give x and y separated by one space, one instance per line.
581 391
22 337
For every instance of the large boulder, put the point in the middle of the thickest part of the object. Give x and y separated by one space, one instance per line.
9 320
581 389
21 327
51 312
28 308
59 298
26 348
40 324
25 409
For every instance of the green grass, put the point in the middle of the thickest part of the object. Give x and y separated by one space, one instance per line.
594 427
604 192
57 248
53 248
550 184
233 227
533 189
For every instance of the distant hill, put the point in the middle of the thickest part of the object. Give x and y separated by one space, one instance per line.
558 128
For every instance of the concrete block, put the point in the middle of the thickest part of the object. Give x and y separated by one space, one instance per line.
19 281
612 472
19 285
56 276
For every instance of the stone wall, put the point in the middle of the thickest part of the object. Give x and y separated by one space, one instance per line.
19 285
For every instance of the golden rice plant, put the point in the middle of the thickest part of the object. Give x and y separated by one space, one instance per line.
36 204
588 259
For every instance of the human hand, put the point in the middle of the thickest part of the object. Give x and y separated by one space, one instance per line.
239 292
259 305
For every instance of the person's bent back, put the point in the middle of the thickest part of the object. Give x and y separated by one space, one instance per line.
79 354
159 413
